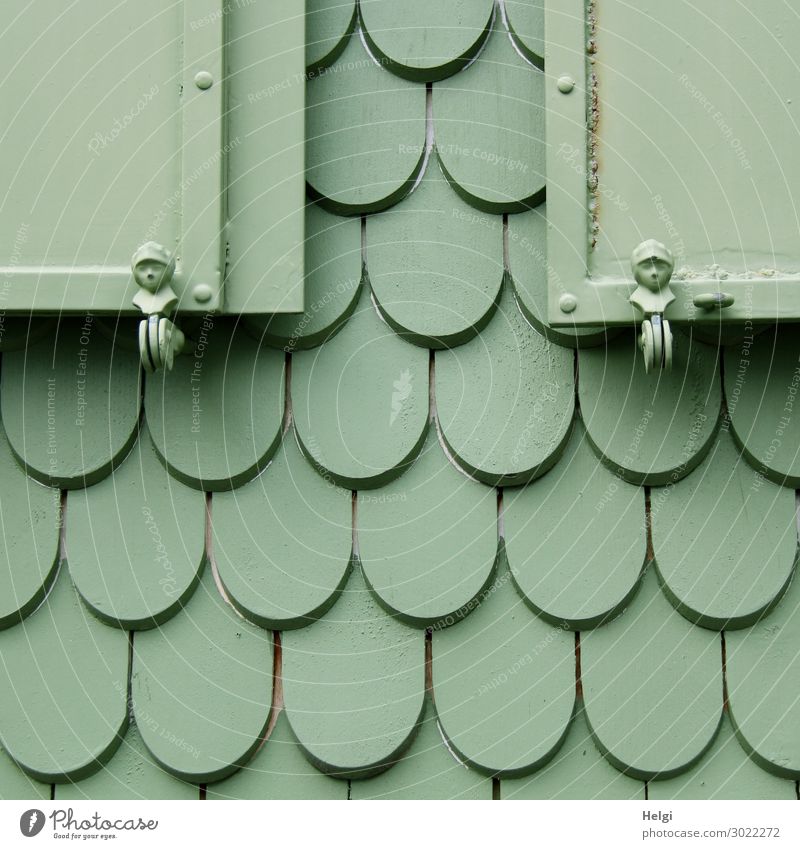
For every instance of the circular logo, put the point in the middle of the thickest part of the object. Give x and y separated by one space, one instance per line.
31 822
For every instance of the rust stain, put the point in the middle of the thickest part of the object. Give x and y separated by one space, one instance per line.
594 121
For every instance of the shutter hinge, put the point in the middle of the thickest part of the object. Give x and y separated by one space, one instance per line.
652 265
159 338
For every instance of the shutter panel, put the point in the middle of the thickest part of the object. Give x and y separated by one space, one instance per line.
115 134
677 123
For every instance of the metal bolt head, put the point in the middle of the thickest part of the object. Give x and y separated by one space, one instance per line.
203 80
567 303
203 293
565 84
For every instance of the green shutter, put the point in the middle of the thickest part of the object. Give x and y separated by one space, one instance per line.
664 124
137 124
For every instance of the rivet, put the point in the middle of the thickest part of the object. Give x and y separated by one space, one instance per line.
202 292
567 303
203 80
566 84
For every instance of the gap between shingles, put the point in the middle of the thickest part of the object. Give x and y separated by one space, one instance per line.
276 705
724 654
62 554
648 524
501 535
287 394
506 263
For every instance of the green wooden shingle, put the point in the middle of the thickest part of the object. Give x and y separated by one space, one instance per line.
725 541
82 390
278 770
763 671
215 418
658 426
130 774
135 543
578 771
63 688
505 400
428 540
652 686
435 264
365 134
30 516
489 129
426 42
201 688
723 774
360 403
504 683
576 539
282 542
354 685
761 385
328 26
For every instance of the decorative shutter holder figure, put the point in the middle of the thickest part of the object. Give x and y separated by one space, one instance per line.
652 266
159 338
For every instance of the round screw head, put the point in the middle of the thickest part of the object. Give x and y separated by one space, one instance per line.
202 292
567 303
203 80
565 84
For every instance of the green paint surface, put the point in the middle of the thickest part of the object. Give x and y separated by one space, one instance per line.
95 161
360 403
328 26
426 771
352 579
505 400
365 134
201 688
135 542
725 540
265 159
130 774
761 387
70 404
576 539
526 25
527 260
504 683
279 770
652 686
659 425
331 284
489 128
29 520
215 418
723 774
578 771
15 784
63 688
716 180
282 542
354 685
435 264
763 670
428 540
426 41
